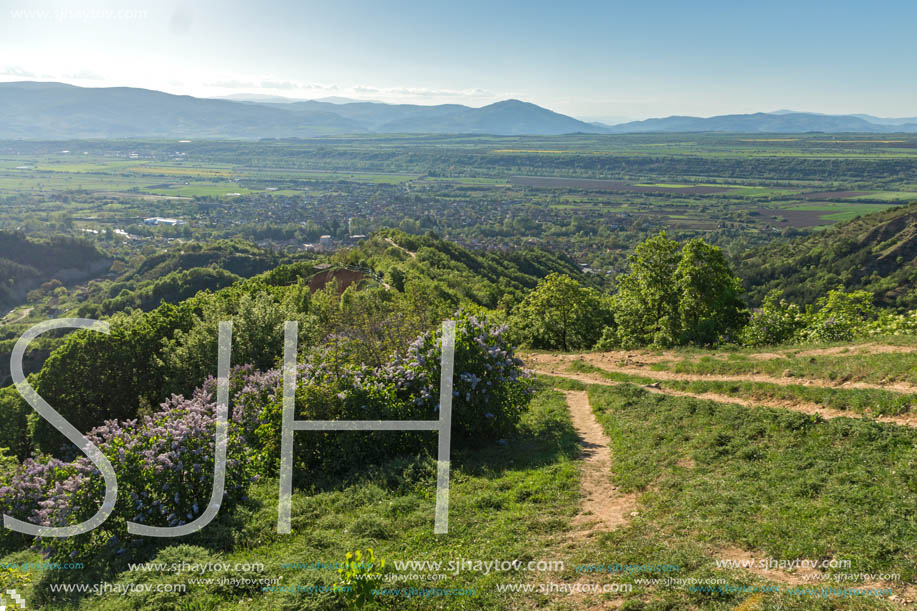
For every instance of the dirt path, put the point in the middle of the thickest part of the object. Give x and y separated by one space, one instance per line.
803 407
22 315
392 242
607 362
604 507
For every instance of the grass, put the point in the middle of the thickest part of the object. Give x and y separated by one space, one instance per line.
859 400
876 368
506 502
872 401
783 484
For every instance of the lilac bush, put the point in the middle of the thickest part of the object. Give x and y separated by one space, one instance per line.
490 387
490 390
164 466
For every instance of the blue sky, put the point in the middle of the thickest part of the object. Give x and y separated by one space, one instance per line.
597 59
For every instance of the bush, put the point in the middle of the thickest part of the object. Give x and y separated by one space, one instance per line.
777 322
889 323
839 316
165 471
490 390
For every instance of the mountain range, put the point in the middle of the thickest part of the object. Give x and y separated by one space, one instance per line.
43 110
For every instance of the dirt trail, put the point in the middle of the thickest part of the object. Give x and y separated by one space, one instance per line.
607 362
604 507
22 315
803 407
392 242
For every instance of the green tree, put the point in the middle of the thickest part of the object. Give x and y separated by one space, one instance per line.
710 305
675 295
839 316
646 303
559 314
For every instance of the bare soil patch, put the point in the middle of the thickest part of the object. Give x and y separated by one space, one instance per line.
604 507
861 349
344 277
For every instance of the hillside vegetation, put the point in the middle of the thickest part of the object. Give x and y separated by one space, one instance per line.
877 253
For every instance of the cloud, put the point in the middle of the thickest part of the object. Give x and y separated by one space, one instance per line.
426 92
16 71
85 75
285 85
232 84
424 95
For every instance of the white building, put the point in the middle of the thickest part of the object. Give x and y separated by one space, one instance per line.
158 220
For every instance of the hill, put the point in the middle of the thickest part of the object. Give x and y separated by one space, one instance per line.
26 263
57 111
877 253
780 122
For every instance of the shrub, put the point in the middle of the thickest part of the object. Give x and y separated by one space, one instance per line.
165 471
889 323
839 316
777 322
360 575
490 390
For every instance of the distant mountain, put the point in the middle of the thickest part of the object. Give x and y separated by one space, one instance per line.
37 111
58 111
781 122
277 99
887 121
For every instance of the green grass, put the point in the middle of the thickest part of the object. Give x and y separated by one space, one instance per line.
614 376
875 368
506 502
782 484
859 400
873 401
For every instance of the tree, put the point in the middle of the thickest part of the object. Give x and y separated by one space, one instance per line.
710 304
676 295
646 304
559 314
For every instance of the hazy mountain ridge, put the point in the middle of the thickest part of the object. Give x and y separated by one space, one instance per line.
34 110
779 122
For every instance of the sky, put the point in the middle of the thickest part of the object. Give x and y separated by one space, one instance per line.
599 59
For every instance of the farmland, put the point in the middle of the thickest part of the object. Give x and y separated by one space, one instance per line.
590 196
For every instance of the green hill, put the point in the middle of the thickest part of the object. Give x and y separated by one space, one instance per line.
877 253
26 263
